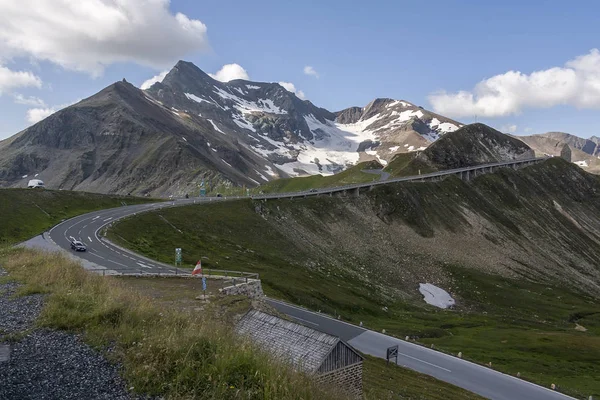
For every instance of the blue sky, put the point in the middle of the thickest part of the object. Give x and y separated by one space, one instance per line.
405 50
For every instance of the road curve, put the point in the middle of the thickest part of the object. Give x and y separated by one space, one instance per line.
475 378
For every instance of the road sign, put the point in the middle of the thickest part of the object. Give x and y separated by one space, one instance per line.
177 256
392 352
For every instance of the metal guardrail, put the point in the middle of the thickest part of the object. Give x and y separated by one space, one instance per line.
396 180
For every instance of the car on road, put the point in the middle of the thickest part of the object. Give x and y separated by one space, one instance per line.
78 246
313 190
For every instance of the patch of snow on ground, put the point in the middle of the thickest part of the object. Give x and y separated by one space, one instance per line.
184 138
421 148
252 87
215 126
447 127
406 145
213 149
270 171
245 106
395 148
435 296
582 164
264 178
196 98
242 123
411 148
24 176
240 91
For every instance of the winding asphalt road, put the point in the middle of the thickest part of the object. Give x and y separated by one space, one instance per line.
482 380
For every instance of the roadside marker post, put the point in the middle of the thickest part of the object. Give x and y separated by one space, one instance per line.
392 352
203 287
177 256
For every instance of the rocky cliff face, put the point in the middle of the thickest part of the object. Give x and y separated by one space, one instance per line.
584 152
472 145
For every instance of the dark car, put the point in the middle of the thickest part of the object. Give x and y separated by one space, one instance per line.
219 195
313 190
78 246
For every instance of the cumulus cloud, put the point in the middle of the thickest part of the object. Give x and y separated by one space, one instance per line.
290 87
14 79
89 35
229 72
308 70
576 84
28 101
157 78
509 128
35 115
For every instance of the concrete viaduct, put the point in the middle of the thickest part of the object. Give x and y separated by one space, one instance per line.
466 174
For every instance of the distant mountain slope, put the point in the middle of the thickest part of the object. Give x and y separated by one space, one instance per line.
120 141
294 134
585 152
470 145
191 127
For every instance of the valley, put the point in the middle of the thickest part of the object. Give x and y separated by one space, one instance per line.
518 250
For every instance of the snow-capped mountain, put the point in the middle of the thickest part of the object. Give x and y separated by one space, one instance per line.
295 135
191 128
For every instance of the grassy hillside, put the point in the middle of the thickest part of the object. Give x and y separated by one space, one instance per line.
519 251
164 352
348 176
25 213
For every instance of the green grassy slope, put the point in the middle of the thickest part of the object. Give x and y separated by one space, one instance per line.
348 176
362 258
406 164
25 213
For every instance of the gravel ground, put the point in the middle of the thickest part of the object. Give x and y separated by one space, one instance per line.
48 364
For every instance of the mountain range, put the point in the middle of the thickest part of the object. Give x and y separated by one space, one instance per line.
191 128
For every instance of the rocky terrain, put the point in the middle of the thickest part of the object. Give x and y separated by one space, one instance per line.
47 364
584 152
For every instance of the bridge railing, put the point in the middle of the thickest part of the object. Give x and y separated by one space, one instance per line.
395 180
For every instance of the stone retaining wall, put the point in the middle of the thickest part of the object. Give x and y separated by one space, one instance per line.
252 289
348 378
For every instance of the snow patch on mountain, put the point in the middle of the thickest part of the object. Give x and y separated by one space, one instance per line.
196 98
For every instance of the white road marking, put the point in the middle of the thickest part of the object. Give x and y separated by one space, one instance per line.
143 265
89 238
94 254
424 362
96 217
108 219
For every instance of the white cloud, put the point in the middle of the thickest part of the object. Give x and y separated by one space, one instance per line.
576 84
13 79
290 87
157 78
308 70
508 128
35 115
89 35
528 129
229 72
28 101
